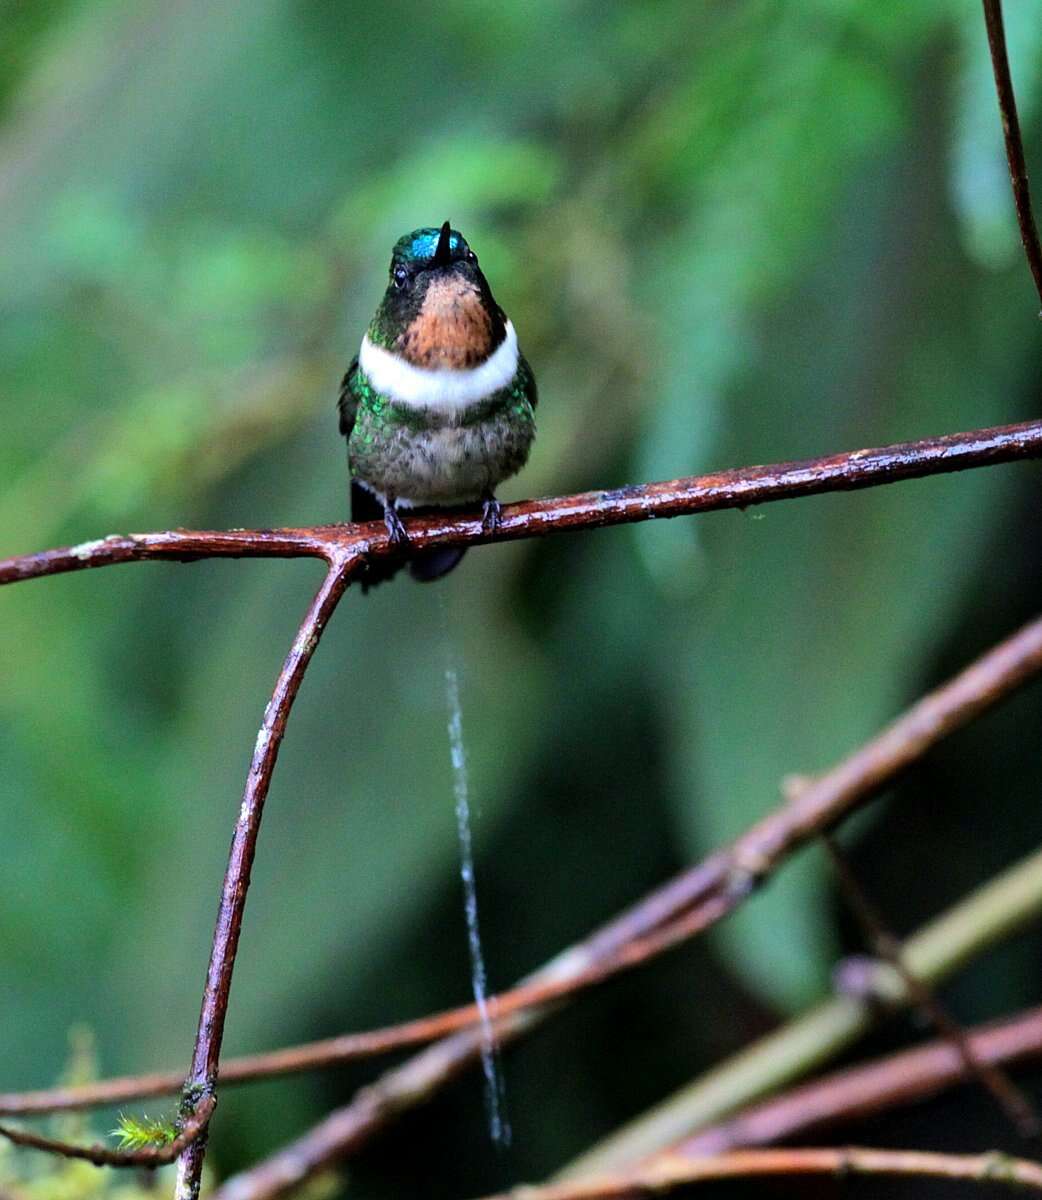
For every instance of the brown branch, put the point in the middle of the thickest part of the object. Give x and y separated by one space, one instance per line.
738 488
1013 1102
101 1093
333 1052
202 1077
703 895
103 1156
1018 172
669 1171
874 1087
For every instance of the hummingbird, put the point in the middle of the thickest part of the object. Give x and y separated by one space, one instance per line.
438 407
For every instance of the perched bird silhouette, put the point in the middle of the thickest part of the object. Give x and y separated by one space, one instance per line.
439 406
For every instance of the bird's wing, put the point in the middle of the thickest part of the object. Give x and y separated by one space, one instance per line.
527 380
347 402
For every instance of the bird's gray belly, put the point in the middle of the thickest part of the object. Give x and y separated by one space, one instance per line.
446 465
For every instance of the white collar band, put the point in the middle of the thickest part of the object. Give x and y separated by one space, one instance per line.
447 389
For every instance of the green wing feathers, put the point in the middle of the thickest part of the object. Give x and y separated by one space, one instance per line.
347 402
526 380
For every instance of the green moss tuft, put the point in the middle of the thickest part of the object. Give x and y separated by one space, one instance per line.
138 1133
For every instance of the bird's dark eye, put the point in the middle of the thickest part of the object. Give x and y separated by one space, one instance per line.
401 276
470 256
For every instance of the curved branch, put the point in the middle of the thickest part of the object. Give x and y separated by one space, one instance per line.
103 1156
864 1090
202 1077
1018 172
173 545
993 911
738 488
675 1170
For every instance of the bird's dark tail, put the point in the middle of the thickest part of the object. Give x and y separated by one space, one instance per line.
425 566
429 565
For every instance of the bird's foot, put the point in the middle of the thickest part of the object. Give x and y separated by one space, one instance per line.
491 515
395 527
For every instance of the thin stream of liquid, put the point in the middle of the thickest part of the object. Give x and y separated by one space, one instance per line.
499 1127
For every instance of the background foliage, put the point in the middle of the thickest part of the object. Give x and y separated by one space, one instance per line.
727 233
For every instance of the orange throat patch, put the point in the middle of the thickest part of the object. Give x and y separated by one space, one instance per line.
452 328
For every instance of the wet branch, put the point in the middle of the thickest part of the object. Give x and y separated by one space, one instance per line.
676 1170
202 1078
737 488
993 911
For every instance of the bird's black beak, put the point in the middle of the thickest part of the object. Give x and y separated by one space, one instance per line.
442 255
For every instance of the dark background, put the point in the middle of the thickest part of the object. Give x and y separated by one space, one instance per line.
731 233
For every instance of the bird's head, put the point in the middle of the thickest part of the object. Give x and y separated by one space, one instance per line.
438 310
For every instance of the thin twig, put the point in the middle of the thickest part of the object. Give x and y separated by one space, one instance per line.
738 488
900 1078
1018 172
1013 1102
202 1077
994 910
103 1156
873 1087
674 1170
336 1051
719 883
